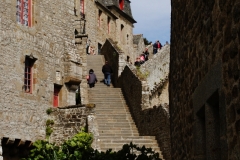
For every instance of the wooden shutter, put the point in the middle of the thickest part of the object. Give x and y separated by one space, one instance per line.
82 7
56 96
24 12
121 4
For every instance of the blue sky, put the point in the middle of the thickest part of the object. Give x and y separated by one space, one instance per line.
153 19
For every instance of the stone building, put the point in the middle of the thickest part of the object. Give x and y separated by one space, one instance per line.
43 57
40 67
204 80
104 19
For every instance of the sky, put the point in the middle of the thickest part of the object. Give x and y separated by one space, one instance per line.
153 19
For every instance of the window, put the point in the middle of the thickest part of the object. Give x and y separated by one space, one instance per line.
24 12
28 74
99 17
122 33
56 96
109 20
121 4
99 48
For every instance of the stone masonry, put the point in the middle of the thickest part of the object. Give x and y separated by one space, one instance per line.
104 20
50 42
69 121
141 100
204 80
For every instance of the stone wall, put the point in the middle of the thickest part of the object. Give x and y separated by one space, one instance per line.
204 79
157 67
69 121
115 56
139 47
149 120
50 41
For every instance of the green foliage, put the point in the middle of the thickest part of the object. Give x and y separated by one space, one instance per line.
141 75
49 111
49 122
146 42
43 150
49 129
79 148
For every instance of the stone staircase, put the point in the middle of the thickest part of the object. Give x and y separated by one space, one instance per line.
115 124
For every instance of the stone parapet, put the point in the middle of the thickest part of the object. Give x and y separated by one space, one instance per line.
69 120
157 67
149 120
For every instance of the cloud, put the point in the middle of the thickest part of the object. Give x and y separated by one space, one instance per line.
153 19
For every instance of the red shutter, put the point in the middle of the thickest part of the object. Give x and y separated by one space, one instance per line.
30 13
81 6
55 97
121 4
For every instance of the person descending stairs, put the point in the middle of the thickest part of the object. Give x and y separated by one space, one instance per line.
115 124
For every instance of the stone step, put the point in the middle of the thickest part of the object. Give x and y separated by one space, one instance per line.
114 121
114 135
135 141
114 124
119 131
130 137
118 146
111 129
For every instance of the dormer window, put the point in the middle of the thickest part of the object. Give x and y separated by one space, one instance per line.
121 4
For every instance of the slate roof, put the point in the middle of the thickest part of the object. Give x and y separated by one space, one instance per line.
114 3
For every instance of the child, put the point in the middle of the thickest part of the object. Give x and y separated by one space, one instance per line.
92 79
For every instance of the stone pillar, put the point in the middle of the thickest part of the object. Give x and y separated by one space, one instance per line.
1 151
91 120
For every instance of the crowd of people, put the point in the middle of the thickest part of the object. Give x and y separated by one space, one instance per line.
145 54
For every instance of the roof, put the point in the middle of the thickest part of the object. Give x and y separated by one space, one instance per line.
126 12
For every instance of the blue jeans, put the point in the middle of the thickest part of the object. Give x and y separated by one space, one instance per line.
107 78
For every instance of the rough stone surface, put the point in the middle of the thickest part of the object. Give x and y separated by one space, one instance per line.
150 120
97 28
68 121
51 41
204 79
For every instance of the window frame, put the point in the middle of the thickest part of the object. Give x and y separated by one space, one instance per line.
28 75
56 93
108 24
24 12
99 18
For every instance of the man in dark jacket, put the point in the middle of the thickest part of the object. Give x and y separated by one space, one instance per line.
107 70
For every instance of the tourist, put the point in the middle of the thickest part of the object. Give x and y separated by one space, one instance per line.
159 46
142 58
146 53
137 62
155 48
107 71
91 78
87 46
